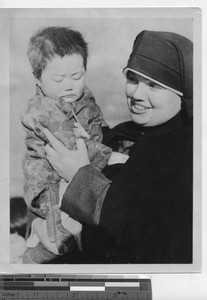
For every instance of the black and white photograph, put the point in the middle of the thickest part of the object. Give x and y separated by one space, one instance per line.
104 139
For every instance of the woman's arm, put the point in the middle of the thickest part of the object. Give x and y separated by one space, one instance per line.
88 187
84 196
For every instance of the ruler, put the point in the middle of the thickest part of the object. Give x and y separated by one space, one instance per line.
74 287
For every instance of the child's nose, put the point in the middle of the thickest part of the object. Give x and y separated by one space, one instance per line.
68 83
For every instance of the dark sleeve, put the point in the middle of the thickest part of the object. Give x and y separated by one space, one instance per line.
84 196
105 131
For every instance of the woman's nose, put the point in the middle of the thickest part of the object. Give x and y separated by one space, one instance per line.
139 91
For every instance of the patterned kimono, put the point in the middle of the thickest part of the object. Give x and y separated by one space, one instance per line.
42 183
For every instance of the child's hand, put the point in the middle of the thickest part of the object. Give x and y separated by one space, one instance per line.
117 158
79 131
39 228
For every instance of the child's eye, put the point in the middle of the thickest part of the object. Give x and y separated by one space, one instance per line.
77 76
58 78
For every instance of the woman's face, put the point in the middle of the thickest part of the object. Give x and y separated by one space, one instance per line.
149 103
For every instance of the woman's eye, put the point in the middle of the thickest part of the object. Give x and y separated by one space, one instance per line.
153 85
132 78
134 81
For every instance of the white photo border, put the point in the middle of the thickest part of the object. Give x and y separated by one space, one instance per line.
6 15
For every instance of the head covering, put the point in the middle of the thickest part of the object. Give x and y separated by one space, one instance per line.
167 58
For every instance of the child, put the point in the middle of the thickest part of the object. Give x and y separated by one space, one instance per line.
18 221
64 105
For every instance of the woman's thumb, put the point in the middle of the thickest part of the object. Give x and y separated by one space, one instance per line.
81 144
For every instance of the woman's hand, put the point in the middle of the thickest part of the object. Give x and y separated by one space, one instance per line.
65 162
117 158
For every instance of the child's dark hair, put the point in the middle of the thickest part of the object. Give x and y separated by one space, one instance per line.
18 216
51 41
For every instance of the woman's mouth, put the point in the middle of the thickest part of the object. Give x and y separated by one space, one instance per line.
137 107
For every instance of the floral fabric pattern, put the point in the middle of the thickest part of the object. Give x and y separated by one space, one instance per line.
41 184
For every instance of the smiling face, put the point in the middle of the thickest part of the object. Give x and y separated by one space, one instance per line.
64 78
149 103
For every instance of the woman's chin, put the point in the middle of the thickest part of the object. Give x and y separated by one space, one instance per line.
140 119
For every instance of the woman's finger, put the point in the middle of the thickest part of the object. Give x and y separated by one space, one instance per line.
50 151
81 145
51 156
56 144
82 153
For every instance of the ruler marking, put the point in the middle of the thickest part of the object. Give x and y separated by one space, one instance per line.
87 288
86 283
122 284
73 287
51 284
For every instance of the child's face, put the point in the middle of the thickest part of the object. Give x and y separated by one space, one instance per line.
150 104
64 78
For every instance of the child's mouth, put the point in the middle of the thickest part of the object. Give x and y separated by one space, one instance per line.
68 98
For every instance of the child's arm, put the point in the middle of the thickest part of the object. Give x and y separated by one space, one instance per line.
89 115
36 168
41 182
